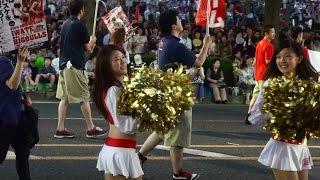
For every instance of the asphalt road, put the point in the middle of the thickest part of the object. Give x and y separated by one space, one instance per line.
222 148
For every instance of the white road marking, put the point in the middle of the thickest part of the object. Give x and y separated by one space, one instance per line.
230 143
206 105
72 118
155 158
199 152
12 155
191 146
102 119
45 102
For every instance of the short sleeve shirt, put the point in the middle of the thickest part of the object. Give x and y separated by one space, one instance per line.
46 70
172 51
264 51
74 35
10 104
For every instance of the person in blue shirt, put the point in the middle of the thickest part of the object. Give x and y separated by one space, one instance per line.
73 81
11 106
170 52
46 74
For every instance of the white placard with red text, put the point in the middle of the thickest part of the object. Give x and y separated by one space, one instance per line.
117 18
22 22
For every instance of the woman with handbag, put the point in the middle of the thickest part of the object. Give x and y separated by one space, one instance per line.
11 109
216 82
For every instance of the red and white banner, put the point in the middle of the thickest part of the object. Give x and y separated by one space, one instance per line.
117 18
216 15
22 22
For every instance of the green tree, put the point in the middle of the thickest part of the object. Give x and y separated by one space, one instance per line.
89 8
271 15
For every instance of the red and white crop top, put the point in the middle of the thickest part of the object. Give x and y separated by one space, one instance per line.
125 124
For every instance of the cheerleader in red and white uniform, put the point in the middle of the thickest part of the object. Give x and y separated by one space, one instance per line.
117 158
288 159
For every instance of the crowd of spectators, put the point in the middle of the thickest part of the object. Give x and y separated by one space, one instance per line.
236 41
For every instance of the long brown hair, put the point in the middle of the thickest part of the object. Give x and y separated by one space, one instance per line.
118 36
103 76
304 69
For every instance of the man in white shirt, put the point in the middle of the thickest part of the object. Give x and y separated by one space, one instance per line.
185 39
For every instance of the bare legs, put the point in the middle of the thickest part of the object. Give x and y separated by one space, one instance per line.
290 175
62 111
152 141
176 153
111 177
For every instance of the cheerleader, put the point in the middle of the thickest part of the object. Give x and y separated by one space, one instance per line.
117 158
288 159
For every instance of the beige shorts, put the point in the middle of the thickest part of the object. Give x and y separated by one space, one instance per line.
181 135
73 85
257 87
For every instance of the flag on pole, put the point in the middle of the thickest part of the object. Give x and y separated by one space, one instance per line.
216 15
137 13
208 17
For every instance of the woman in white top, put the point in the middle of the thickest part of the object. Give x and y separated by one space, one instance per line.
289 159
138 43
117 157
246 79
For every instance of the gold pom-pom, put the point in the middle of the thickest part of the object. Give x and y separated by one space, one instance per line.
293 105
156 98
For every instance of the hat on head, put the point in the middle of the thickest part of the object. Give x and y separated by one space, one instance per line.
137 59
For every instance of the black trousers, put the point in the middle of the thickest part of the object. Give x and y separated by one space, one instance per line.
12 136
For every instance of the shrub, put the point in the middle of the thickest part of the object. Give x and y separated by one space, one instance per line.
226 65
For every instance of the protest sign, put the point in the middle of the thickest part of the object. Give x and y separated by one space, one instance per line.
117 18
22 22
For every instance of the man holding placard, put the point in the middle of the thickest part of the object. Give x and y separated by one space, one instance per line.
73 79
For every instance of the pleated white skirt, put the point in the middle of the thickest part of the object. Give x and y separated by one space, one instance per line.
119 162
287 157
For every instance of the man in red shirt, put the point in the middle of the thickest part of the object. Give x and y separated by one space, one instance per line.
264 53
